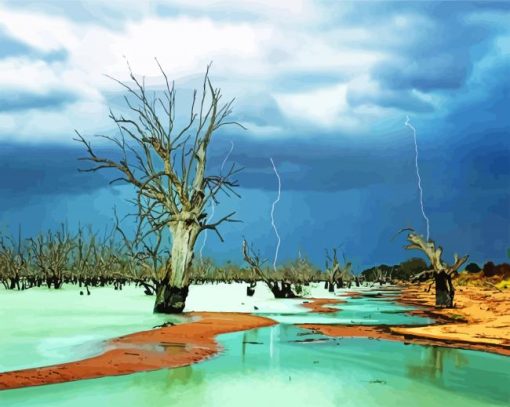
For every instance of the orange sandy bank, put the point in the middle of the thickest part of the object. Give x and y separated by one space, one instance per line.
167 347
389 334
320 305
352 294
481 317
350 331
480 321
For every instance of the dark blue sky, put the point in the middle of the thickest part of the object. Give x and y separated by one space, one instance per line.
324 91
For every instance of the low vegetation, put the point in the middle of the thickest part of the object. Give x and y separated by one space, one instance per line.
490 275
90 259
284 282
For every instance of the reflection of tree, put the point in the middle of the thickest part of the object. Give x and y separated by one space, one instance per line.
244 345
433 362
249 337
265 339
288 332
183 376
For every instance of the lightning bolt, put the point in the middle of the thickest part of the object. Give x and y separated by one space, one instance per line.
213 208
227 156
408 124
213 205
272 214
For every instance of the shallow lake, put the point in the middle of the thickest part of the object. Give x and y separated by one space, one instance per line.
288 366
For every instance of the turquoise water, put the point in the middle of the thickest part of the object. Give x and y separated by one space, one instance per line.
366 310
287 366
41 327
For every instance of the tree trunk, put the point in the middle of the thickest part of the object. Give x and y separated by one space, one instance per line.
14 283
331 287
285 291
250 290
57 282
444 290
170 300
171 294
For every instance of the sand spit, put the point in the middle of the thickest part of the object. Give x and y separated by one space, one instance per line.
320 305
165 347
388 333
480 321
481 317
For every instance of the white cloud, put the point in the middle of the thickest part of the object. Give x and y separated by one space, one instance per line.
253 44
282 11
55 125
39 31
325 106
184 46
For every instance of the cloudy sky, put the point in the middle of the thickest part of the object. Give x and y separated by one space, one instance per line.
324 88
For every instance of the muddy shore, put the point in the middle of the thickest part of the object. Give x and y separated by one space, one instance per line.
166 347
320 305
480 321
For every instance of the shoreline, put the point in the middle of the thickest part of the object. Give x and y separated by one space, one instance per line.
480 322
390 333
166 347
320 305
480 318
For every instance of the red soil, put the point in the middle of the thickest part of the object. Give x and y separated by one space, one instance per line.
388 333
480 322
352 294
449 330
167 347
350 331
319 305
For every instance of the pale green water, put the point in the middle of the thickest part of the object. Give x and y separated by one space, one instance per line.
287 366
358 311
272 369
41 327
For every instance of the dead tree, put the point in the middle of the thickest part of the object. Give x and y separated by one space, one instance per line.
148 264
336 273
82 266
441 272
12 262
332 271
51 254
380 275
280 289
167 167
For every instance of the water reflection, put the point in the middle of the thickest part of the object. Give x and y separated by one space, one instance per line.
285 365
366 310
183 376
432 363
288 351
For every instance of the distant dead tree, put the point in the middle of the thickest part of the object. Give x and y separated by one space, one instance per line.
336 273
51 253
167 167
12 262
148 262
441 272
380 276
278 286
